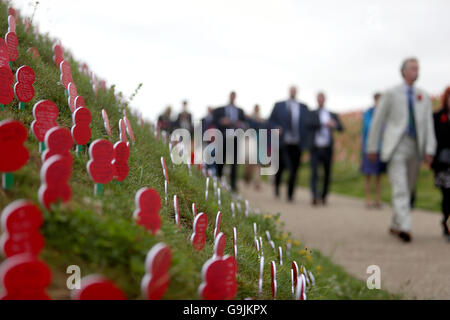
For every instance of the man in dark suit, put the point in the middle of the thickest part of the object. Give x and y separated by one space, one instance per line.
229 117
184 119
322 125
164 121
208 123
291 117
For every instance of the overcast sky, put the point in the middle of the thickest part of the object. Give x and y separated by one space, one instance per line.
202 49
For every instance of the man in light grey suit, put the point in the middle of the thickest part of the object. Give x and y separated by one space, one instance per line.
408 138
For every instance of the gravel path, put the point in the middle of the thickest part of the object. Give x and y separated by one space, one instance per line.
355 237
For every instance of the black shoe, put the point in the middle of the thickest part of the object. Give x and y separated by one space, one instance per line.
314 202
277 193
405 236
324 201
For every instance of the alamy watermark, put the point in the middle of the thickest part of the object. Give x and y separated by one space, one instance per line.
74 280
374 280
211 145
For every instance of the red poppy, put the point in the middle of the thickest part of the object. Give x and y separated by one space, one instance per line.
444 118
419 97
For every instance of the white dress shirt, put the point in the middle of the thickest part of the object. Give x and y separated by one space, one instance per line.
323 136
232 113
293 137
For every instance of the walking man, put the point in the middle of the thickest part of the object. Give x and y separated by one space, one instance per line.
229 117
184 119
408 138
291 118
322 125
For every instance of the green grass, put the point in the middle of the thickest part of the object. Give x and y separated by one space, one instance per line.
99 233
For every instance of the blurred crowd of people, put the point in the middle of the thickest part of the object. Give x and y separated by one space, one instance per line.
398 132
300 129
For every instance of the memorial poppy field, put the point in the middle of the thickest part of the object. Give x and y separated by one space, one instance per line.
98 231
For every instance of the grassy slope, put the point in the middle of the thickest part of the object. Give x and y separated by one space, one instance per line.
99 234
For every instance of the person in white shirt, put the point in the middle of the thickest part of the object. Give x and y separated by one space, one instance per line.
322 124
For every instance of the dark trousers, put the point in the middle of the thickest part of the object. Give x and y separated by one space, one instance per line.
445 206
289 159
320 157
219 167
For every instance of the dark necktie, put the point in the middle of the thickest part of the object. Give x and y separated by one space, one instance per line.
411 121
290 116
232 113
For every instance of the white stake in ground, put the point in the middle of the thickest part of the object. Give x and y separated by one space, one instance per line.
189 169
232 209
295 274
272 244
280 256
218 198
247 209
164 167
300 293
257 246
268 235
194 209
273 274
235 242
261 273
207 188
261 245
165 191
177 212
305 273
218 221
311 277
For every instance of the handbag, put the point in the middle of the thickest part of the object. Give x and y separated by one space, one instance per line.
444 156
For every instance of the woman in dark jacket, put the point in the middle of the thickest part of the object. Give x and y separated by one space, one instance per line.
441 164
